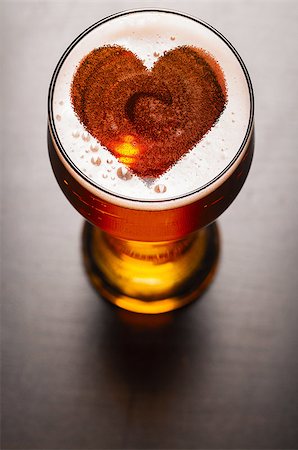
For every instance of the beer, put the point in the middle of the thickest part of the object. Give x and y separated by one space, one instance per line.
147 174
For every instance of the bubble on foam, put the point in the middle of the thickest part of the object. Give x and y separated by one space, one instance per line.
85 136
205 161
124 174
94 148
160 188
96 161
75 133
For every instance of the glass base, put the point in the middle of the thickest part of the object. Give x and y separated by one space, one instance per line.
150 277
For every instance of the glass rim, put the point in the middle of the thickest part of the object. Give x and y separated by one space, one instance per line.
55 136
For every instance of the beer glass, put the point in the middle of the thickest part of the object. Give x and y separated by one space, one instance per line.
151 244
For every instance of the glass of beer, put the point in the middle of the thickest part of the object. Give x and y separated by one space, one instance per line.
151 137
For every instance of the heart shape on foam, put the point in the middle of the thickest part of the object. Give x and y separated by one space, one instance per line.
148 119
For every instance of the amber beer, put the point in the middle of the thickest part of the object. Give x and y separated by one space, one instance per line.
150 225
148 243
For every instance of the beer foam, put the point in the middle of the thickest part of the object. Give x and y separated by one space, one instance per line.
149 34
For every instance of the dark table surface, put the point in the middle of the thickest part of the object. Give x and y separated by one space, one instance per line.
79 374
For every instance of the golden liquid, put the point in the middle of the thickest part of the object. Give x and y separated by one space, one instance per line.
148 225
148 277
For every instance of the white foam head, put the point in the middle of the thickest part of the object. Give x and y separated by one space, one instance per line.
148 34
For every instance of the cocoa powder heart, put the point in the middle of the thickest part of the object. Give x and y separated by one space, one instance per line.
148 119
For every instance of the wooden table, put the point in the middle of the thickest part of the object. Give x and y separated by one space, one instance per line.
78 374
